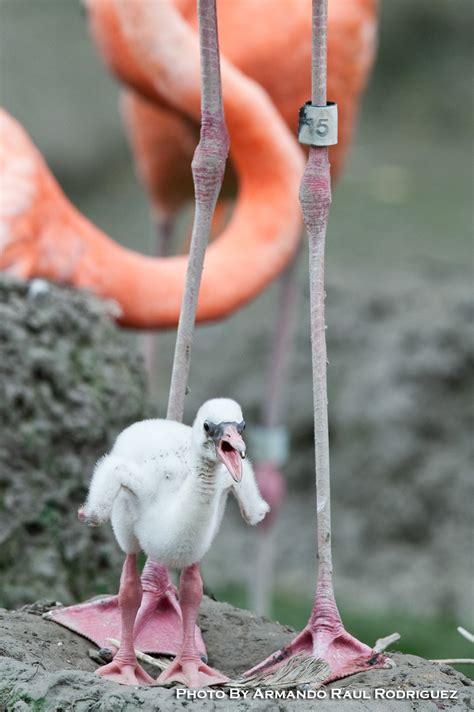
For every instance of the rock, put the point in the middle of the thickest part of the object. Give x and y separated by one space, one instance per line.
70 382
46 667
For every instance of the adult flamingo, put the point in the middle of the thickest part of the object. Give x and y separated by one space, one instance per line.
274 49
48 238
44 236
270 42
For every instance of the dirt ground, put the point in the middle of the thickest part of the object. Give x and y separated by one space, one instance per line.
44 667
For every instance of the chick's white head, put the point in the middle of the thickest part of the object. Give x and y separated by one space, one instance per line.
218 429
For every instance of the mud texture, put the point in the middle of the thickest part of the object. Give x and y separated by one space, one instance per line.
70 380
46 667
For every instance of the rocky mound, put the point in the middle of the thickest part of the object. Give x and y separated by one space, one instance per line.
46 667
70 381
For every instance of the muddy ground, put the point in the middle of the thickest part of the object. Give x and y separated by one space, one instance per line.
44 667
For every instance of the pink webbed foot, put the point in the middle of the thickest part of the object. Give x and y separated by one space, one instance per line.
159 624
96 620
325 638
188 668
125 673
192 672
344 654
125 669
158 627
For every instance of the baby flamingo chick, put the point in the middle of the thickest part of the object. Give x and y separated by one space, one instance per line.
164 487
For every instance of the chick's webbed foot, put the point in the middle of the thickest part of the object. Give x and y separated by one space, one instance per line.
158 627
192 672
188 668
125 673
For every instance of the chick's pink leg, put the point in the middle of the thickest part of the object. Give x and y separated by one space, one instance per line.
188 667
158 627
124 668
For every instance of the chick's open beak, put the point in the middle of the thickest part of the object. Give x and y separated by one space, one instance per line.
231 450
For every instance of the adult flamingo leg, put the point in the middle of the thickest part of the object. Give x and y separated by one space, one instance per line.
125 668
273 439
188 668
324 637
208 172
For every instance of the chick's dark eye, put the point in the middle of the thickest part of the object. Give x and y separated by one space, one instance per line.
206 427
242 426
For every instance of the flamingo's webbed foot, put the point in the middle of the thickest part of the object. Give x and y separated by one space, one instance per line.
125 673
158 628
192 672
344 654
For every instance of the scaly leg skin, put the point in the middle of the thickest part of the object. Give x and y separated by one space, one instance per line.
159 624
158 628
188 668
325 638
125 668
